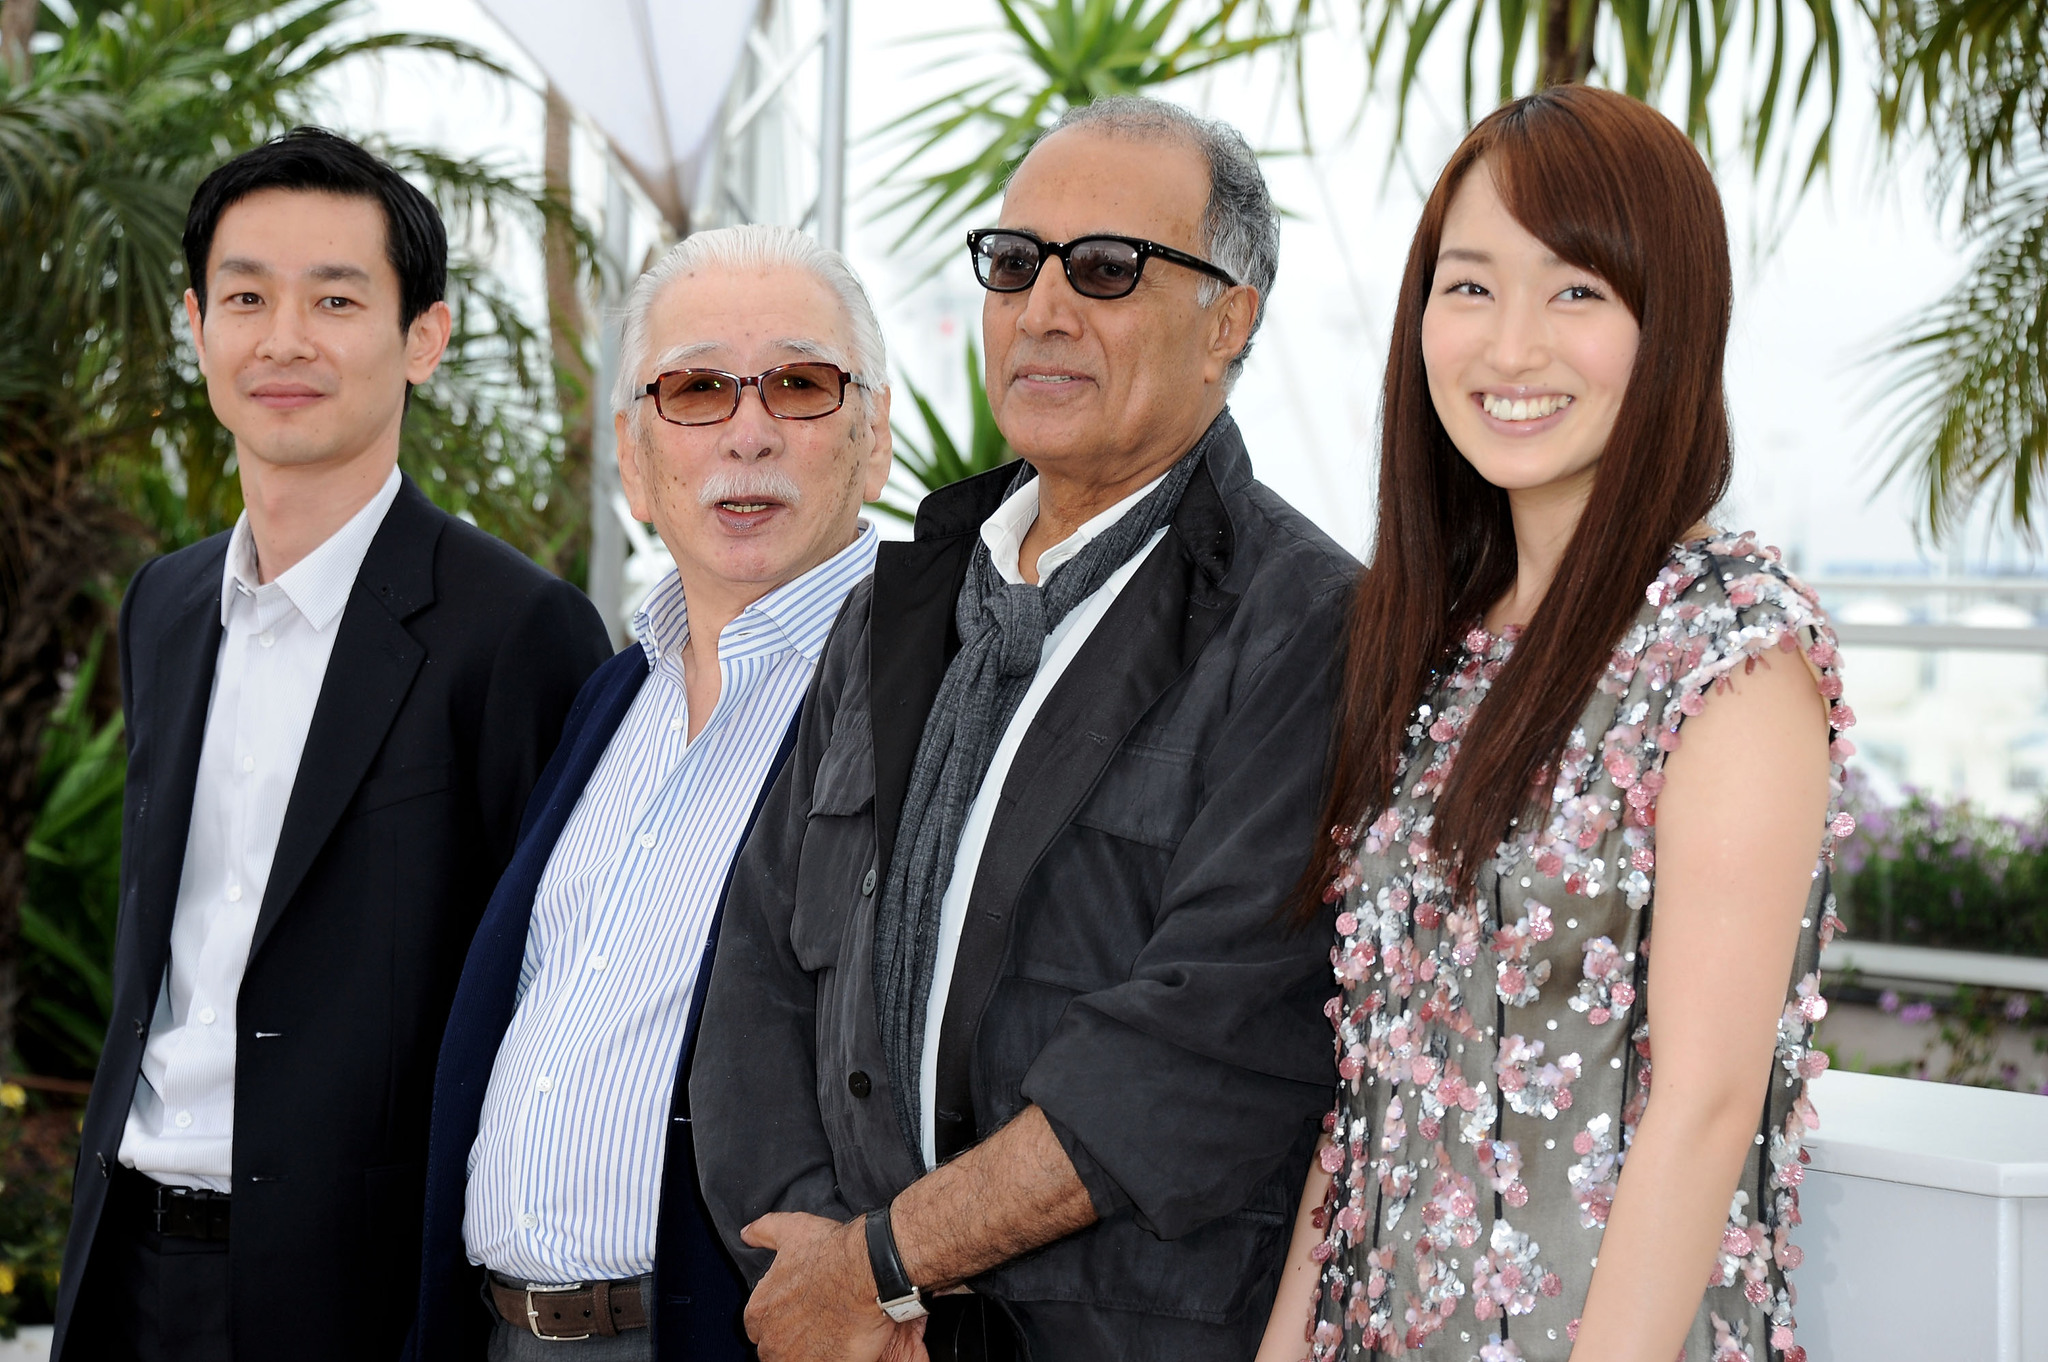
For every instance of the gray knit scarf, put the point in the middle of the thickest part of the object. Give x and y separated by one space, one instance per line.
1002 633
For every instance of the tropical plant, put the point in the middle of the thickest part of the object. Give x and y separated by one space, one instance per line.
1073 52
107 446
936 459
74 856
1971 78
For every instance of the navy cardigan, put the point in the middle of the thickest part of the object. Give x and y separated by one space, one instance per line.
698 1293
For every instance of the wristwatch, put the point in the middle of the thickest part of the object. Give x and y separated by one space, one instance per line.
899 1300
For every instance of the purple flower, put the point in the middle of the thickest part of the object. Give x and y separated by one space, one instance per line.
2015 1007
1914 1013
1888 1000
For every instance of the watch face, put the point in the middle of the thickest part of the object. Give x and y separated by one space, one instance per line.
904 1308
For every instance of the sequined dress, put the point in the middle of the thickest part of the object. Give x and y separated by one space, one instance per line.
1493 1051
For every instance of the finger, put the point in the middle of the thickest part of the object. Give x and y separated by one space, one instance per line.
764 1233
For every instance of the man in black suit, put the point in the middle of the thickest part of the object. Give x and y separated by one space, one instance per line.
334 716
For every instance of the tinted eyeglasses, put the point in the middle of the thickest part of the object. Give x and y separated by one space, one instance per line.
1096 266
790 392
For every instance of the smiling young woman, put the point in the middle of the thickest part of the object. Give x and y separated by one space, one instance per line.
1546 614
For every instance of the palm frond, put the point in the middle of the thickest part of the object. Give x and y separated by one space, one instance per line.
1067 53
1972 372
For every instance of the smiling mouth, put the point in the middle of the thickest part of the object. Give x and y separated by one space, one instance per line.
747 507
1523 408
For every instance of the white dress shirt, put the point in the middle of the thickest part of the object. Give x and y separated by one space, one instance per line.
1004 533
565 1173
275 642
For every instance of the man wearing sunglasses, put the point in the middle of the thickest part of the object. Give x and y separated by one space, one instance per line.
562 1216
1009 1050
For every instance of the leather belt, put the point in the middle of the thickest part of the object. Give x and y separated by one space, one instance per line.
564 1313
178 1212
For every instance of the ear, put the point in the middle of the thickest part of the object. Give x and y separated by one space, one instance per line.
631 476
875 474
425 340
1233 315
197 322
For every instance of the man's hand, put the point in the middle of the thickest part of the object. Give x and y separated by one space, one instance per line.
817 1303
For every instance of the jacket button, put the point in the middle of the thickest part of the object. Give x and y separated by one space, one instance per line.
141 1031
857 1083
867 885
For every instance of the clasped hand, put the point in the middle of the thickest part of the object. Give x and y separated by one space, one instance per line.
817 1303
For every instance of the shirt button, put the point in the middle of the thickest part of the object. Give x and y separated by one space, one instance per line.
597 962
266 638
859 1084
248 763
867 884
527 1222
647 840
184 1119
234 893
675 725
206 1016
544 1083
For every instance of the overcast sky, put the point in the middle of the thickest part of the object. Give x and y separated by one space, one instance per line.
1859 255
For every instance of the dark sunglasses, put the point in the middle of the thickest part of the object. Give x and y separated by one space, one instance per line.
790 392
1096 266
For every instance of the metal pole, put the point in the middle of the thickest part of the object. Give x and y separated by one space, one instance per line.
832 129
607 534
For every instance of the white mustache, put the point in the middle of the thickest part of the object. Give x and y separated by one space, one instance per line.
754 484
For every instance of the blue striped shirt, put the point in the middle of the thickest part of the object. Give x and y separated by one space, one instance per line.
565 1174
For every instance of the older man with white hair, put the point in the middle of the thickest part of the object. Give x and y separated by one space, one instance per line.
563 1218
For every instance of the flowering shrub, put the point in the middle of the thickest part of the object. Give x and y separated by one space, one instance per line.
1926 873
38 1147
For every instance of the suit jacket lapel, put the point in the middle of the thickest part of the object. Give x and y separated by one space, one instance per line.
368 674
187 655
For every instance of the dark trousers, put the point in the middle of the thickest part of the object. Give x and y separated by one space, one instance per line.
972 1328
149 1297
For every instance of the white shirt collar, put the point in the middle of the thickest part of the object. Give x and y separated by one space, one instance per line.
318 585
798 614
1004 531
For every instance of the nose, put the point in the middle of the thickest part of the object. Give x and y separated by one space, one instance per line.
1051 307
286 338
1521 340
752 434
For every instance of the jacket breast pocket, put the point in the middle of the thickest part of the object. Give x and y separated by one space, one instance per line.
1147 794
837 861
396 785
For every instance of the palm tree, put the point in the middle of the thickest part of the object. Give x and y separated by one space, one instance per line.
1073 52
107 447
1971 76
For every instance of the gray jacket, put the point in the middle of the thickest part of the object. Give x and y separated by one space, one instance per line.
1125 964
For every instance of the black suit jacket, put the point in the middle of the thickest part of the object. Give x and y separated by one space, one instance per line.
456 661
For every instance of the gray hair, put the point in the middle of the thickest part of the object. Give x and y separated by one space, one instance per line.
1240 227
751 247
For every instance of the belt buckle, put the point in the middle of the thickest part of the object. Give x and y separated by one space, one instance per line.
533 1315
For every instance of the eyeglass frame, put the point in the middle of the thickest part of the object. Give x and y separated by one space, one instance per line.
742 382
1146 250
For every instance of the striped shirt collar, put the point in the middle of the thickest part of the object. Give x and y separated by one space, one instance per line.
317 585
798 614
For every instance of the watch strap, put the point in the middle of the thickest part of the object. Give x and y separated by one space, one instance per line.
892 1281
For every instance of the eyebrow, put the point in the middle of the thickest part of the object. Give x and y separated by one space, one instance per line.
1469 256
682 354
326 274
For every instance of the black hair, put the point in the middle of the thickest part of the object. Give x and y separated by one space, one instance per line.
317 161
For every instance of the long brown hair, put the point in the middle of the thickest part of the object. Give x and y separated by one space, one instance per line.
1611 186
